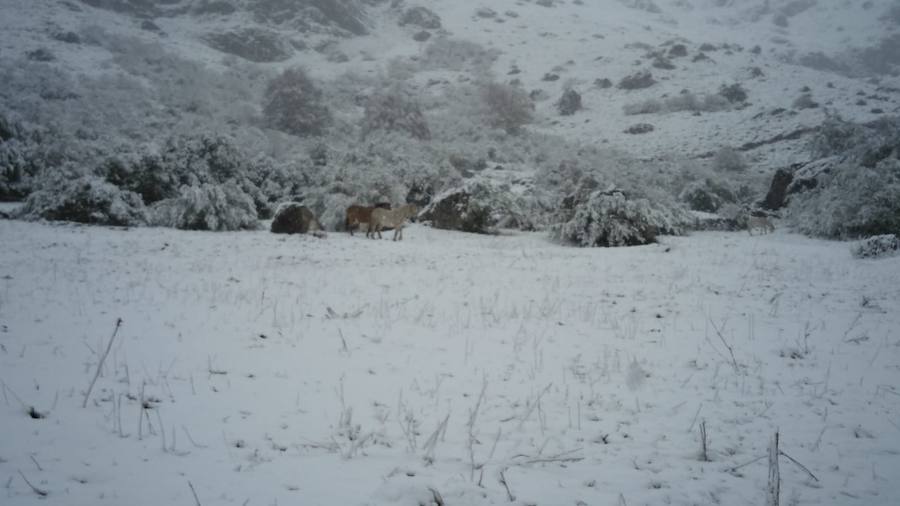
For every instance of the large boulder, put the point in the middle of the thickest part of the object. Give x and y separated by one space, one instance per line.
776 198
294 218
798 178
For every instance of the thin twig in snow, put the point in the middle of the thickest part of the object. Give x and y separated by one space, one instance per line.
727 346
509 494
38 491
691 428
745 464
780 452
188 434
196 499
100 364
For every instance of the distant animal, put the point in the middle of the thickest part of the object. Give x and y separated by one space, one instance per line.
759 222
391 218
358 215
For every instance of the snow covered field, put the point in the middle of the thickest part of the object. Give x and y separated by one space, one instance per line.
258 369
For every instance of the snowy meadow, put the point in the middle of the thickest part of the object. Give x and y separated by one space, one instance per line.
449 368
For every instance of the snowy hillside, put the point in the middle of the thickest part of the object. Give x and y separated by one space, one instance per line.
575 43
346 371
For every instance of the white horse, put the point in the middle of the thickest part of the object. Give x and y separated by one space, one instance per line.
760 222
391 218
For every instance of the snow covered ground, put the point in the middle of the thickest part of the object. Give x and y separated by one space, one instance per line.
252 368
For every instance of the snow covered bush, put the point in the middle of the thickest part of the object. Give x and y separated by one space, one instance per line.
853 188
685 101
728 159
507 107
253 44
395 110
734 93
637 81
707 195
421 17
215 207
610 218
868 142
877 247
852 201
479 207
457 54
293 104
85 199
147 176
569 103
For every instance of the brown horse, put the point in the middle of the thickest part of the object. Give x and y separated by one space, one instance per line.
358 215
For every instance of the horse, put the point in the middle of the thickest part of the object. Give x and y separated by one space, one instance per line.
391 218
760 222
357 215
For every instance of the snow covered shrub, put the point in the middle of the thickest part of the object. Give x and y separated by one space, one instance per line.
146 176
851 201
569 103
293 104
395 110
728 159
651 106
684 101
805 101
892 15
253 44
640 80
877 247
610 218
640 128
215 207
85 199
458 55
707 196
734 93
506 106
214 8
340 17
421 17
868 142
479 207
644 5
